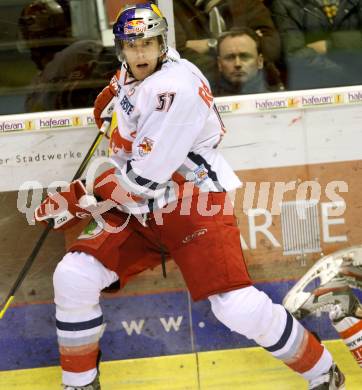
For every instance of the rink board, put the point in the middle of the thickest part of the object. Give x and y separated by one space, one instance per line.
153 329
244 369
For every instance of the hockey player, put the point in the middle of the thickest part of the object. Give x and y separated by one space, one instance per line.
169 184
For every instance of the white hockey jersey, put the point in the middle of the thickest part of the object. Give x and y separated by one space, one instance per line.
167 132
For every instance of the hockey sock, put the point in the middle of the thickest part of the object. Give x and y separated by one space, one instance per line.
251 312
350 331
78 280
300 350
79 346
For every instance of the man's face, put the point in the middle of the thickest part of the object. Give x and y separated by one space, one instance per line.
142 56
238 59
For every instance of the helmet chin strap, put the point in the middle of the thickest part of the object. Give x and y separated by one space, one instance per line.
161 59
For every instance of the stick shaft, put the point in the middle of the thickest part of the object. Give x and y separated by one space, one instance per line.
91 151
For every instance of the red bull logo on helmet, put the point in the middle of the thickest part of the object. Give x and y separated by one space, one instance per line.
135 27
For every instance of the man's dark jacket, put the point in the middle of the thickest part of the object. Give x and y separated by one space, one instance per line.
301 22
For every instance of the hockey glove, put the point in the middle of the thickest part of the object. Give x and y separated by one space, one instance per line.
104 103
108 187
66 208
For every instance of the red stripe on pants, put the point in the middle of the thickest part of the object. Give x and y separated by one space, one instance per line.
79 363
309 355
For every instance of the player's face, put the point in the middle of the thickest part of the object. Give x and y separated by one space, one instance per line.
142 56
238 59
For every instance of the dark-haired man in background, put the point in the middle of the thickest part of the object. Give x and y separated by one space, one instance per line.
241 64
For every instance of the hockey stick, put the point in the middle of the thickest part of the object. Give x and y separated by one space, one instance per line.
48 228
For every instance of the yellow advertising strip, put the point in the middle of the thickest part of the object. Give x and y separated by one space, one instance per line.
244 369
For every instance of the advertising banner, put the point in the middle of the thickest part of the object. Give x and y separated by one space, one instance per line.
253 141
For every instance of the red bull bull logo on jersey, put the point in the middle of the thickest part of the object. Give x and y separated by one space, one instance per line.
145 147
